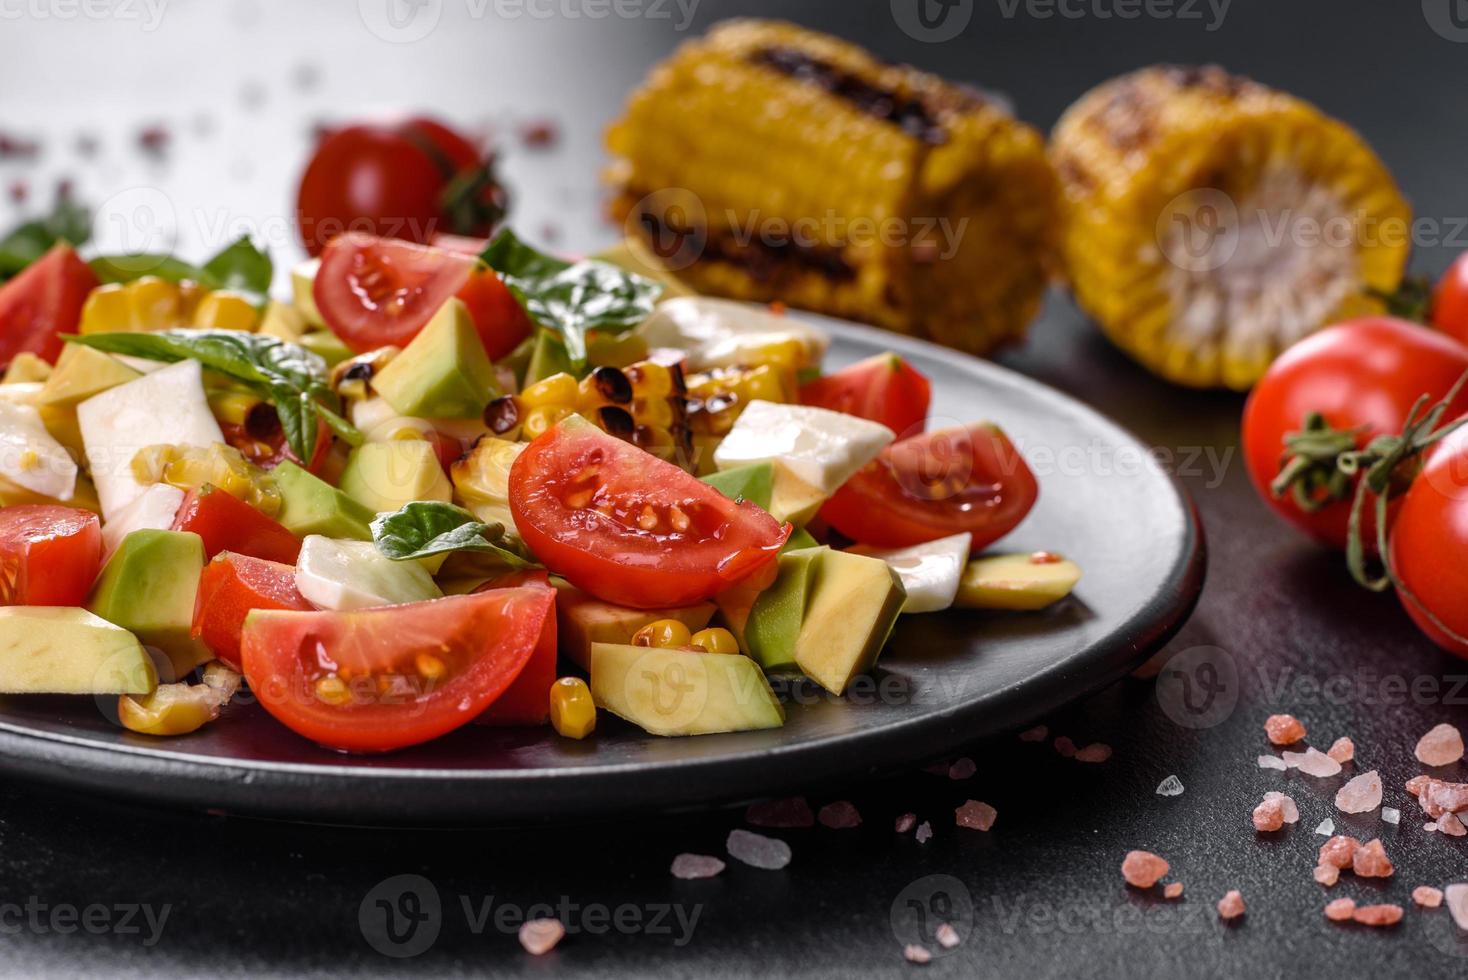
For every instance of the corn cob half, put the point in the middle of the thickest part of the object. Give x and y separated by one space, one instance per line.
1211 222
766 162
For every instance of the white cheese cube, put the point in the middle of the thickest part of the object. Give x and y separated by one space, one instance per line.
721 332
930 572
821 447
340 575
153 510
30 457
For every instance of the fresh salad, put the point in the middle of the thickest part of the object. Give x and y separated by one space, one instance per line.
466 482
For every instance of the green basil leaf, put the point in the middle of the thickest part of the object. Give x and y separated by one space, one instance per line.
70 222
126 268
241 267
429 527
571 299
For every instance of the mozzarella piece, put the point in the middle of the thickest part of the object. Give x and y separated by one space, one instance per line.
30 457
821 447
930 571
343 575
167 407
721 332
154 509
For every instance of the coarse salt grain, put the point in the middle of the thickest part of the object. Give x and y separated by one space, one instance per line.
1441 746
1340 910
1065 747
1143 869
1288 808
1095 752
1456 898
1171 786
1283 729
690 867
1342 750
1339 851
1391 815
841 815
789 813
1326 828
975 815
1361 794
1450 824
1173 889
1268 816
1427 896
1370 861
1312 762
540 936
917 954
962 768
1437 797
1231 906
1037 734
757 850
905 823
1272 762
1377 915
1326 874
947 936
924 832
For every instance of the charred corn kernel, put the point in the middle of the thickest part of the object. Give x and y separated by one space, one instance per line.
1194 206
650 379
172 709
352 378
333 690
189 296
573 713
663 633
717 397
556 391
232 406
26 368
224 309
762 120
655 412
538 420
155 303
107 309
715 640
225 467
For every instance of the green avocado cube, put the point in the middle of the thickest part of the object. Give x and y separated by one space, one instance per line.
310 505
148 587
754 483
444 372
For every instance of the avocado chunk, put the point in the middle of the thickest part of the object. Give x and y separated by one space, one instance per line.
547 357
1018 582
82 372
582 619
148 587
27 368
794 500
774 622
682 692
444 372
325 345
851 611
303 291
799 540
754 483
384 476
63 650
310 505
283 322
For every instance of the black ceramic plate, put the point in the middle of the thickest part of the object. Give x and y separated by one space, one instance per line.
945 678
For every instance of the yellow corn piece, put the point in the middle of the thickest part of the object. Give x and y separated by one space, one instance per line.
225 467
717 398
556 391
714 640
107 309
172 709
670 634
573 713
156 304
224 309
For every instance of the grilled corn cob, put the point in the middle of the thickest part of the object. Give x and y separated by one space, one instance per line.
767 162
1211 222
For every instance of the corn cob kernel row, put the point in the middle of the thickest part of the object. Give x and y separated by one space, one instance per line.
150 303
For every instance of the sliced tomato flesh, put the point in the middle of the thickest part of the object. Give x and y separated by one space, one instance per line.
630 528
49 555
498 316
375 680
930 486
527 700
229 589
373 292
227 523
883 389
43 302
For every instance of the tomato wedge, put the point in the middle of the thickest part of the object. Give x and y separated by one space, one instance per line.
227 523
373 292
42 303
883 389
527 701
380 679
230 587
630 528
499 318
968 478
49 555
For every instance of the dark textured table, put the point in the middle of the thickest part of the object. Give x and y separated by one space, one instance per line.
1040 895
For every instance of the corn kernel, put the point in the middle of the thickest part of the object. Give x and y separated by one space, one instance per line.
225 467
715 640
225 309
650 379
538 420
189 295
559 390
154 303
667 634
572 711
29 460
106 310
653 411
172 709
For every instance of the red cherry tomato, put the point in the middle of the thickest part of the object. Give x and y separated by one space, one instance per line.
1429 539
936 484
230 587
42 302
227 523
49 555
883 389
630 528
1450 301
374 680
498 316
527 700
1364 373
373 292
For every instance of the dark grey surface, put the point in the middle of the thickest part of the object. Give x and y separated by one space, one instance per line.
251 898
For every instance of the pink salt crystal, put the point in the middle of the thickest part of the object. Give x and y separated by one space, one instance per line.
1427 896
1456 897
841 815
1430 826
1037 734
1231 906
1143 869
1095 752
1442 746
1288 809
1339 851
757 850
1268 816
1340 910
1342 750
1378 915
1065 747
975 815
1416 784
917 954
690 867
1438 797
1361 794
1272 762
539 936
788 813
924 832
947 936
1283 729
1312 762
1327 874
962 769
1370 861
1450 824
1173 889
905 823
